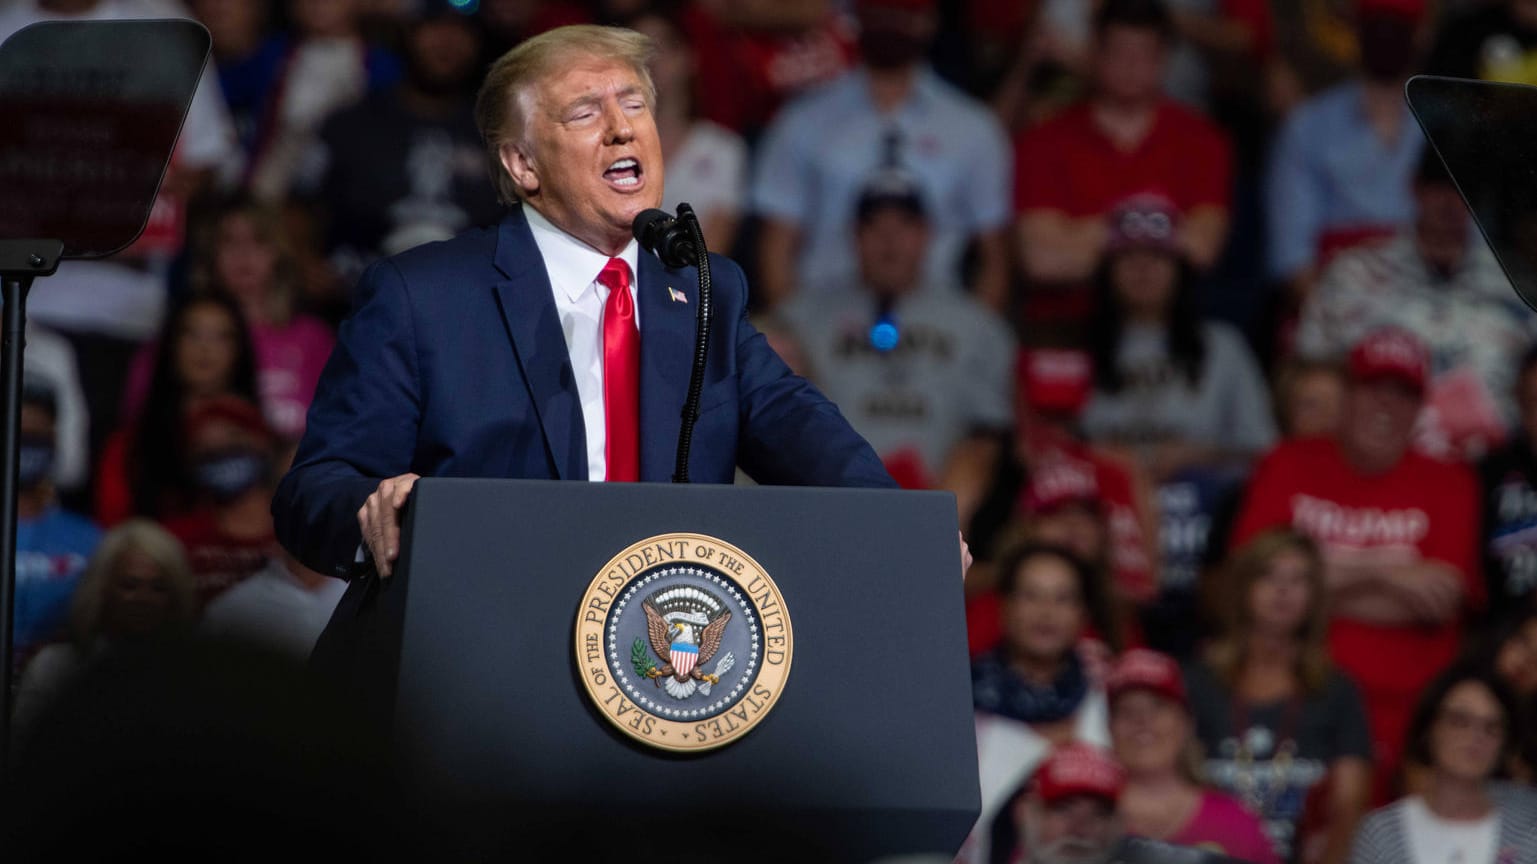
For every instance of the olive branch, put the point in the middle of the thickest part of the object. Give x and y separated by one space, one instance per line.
640 658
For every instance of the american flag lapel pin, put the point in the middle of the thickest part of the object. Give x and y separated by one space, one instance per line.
676 295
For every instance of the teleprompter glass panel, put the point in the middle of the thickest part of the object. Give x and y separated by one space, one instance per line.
1486 134
89 114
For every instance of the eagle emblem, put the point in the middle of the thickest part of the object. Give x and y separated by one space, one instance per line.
684 627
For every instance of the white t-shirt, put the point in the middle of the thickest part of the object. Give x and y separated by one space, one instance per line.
709 171
1433 840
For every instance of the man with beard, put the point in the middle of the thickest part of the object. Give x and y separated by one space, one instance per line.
1068 815
1399 533
822 149
405 166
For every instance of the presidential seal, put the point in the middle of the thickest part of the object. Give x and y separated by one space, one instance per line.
683 642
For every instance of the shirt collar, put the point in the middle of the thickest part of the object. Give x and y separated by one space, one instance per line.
926 88
572 265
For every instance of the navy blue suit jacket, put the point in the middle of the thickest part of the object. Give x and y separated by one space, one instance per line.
453 364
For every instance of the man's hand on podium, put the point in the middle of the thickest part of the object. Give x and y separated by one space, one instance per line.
379 518
965 556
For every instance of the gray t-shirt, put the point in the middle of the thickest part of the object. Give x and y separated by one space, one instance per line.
1290 746
949 375
1229 408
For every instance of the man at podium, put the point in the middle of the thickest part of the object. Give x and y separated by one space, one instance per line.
548 346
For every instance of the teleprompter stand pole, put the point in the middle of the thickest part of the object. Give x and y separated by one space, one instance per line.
21 261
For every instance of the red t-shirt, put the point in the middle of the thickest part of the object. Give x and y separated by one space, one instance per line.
219 561
743 76
1420 510
1067 164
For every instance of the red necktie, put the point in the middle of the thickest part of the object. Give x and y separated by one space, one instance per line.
621 375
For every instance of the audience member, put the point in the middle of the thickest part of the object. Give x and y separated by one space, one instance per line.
1309 397
230 458
50 361
706 163
1464 734
1398 532
1283 730
1067 814
282 607
1437 280
405 165
1492 41
1153 735
892 110
246 254
1340 169
919 373
246 60
1127 139
755 55
1034 691
1315 49
136 587
326 65
1509 480
1510 651
1183 395
991 480
204 351
52 545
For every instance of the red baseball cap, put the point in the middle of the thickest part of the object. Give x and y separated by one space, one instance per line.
1391 353
1059 482
235 410
1078 769
1145 669
1054 380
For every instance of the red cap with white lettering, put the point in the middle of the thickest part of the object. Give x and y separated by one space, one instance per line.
1391 353
1145 669
1079 769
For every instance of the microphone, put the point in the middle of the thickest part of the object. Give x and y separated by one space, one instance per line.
667 238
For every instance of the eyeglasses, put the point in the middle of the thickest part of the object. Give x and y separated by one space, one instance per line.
1462 721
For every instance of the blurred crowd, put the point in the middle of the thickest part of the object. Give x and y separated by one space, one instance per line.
1239 411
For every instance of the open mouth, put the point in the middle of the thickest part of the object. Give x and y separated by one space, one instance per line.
624 173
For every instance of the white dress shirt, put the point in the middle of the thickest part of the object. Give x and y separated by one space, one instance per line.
573 268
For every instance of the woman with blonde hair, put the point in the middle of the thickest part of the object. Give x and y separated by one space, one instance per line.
1283 730
245 253
137 587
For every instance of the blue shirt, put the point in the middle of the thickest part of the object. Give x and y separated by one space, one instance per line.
1331 172
51 553
826 145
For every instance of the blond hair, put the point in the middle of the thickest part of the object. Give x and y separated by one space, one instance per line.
1228 601
502 106
268 224
148 539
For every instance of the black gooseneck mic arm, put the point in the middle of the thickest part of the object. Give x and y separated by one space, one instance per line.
679 243
702 320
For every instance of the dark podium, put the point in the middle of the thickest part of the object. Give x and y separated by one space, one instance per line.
869 751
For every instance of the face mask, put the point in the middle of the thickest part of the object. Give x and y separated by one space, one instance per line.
229 474
36 462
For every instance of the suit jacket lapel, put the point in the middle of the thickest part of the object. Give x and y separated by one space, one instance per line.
666 358
528 309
